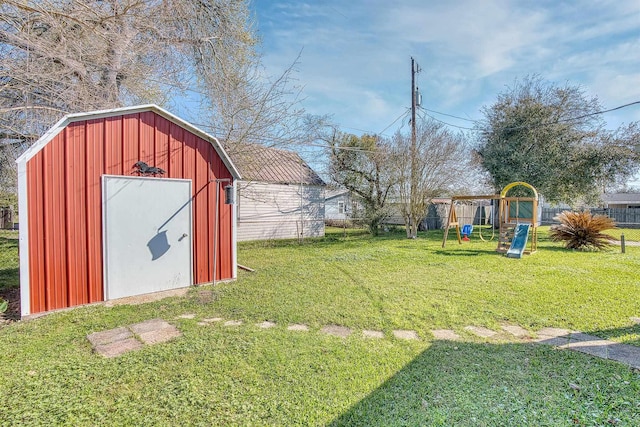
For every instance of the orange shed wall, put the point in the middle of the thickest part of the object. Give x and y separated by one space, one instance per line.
65 203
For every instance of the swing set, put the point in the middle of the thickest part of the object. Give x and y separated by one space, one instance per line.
517 219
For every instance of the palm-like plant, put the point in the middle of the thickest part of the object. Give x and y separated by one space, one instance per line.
582 231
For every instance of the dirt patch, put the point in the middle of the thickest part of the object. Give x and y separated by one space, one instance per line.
13 311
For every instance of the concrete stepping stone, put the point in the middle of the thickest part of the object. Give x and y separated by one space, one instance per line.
553 336
212 319
481 331
406 335
186 316
596 347
155 331
624 353
553 332
516 331
114 342
118 348
112 335
336 330
266 324
635 320
298 327
233 323
604 349
373 334
445 334
592 345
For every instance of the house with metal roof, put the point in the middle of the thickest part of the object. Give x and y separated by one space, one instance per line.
279 197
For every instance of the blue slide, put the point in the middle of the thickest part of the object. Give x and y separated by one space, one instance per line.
519 241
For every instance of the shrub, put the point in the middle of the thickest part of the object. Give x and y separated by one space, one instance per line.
582 231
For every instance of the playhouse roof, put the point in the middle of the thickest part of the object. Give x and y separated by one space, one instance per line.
75 117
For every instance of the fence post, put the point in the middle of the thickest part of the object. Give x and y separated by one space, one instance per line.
622 245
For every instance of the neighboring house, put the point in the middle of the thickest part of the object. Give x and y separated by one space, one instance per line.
280 196
341 205
621 200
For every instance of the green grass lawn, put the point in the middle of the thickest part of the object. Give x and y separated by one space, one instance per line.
217 375
9 277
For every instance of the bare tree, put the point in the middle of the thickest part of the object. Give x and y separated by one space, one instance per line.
69 56
439 164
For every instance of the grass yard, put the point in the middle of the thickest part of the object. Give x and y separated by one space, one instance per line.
243 375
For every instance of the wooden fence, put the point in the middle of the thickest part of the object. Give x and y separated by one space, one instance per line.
624 217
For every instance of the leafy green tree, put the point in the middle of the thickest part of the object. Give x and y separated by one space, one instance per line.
554 138
361 164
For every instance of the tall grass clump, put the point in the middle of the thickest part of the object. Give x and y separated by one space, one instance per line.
582 231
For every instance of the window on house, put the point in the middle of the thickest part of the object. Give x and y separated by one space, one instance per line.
340 207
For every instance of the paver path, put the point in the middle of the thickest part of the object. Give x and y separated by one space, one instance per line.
115 342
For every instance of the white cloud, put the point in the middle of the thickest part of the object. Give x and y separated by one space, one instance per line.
355 57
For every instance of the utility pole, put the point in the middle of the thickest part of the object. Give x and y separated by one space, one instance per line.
415 68
413 104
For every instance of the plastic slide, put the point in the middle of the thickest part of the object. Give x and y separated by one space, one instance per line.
519 241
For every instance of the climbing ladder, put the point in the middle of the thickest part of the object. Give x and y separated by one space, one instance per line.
506 235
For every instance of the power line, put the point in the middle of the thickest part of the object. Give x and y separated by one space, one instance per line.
448 115
445 123
600 112
404 113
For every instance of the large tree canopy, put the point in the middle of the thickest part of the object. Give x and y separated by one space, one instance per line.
553 137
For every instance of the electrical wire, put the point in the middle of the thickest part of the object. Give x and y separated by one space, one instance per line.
449 115
445 123
394 122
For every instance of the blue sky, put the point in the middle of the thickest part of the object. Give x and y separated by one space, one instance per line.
355 55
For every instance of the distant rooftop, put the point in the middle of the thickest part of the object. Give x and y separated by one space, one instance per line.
274 165
622 198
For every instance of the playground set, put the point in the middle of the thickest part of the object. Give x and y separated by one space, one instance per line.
517 220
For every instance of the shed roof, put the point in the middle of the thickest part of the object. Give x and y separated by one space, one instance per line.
266 164
71 118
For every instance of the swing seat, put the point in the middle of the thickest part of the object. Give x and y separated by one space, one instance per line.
467 229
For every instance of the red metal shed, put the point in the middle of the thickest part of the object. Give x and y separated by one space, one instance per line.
83 208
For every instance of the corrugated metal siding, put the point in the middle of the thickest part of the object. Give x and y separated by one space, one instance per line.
278 211
65 210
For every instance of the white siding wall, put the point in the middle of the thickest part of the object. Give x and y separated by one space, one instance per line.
278 211
332 208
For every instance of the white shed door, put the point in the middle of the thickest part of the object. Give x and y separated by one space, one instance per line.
147 235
